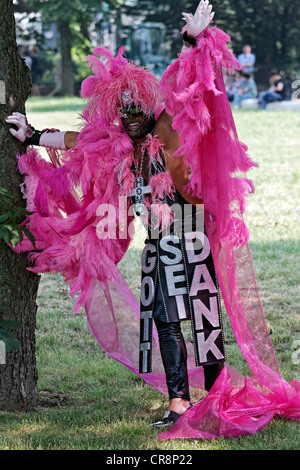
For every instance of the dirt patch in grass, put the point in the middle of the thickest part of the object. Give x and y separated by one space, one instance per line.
48 399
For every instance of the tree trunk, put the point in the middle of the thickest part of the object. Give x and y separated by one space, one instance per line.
66 59
18 286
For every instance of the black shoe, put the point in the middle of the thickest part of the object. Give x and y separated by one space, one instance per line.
170 417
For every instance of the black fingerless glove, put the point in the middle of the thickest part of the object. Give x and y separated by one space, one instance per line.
189 40
34 138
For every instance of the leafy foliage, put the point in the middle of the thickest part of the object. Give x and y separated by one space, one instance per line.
12 233
270 26
10 229
11 342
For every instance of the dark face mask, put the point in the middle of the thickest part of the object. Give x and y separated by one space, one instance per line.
136 124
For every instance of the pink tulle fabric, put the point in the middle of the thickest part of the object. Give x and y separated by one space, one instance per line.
67 192
235 405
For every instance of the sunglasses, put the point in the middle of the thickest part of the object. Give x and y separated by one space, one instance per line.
126 112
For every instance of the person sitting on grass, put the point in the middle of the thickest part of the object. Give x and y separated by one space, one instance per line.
276 92
247 90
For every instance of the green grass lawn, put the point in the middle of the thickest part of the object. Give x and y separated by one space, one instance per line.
87 400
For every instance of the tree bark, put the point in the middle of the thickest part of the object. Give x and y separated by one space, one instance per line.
18 286
68 87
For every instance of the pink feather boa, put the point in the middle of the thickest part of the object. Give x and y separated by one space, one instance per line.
161 186
192 88
68 234
71 235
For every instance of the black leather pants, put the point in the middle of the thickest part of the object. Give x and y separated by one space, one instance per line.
174 357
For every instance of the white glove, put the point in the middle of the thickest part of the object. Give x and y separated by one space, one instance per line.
50 138
20 121
53 139
198 22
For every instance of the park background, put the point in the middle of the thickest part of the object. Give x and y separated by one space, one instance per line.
67 30
85 399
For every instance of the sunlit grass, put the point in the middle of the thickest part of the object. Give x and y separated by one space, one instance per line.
89 401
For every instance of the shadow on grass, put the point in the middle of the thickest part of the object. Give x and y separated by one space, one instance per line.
97 427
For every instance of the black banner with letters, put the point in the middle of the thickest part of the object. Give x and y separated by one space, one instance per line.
184 271
204 298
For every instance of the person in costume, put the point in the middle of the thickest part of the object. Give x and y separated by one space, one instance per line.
186 154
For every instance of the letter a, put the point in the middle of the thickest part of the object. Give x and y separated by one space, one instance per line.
208 284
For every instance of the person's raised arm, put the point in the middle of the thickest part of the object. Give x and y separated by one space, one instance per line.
50 138
196 23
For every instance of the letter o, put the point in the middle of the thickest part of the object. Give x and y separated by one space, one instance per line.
146 300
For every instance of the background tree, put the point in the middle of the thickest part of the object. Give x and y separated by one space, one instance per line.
271 27
73 18
18 286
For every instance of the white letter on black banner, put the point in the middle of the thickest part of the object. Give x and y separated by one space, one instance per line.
204 346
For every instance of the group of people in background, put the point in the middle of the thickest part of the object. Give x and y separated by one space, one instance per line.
242 85
239 87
